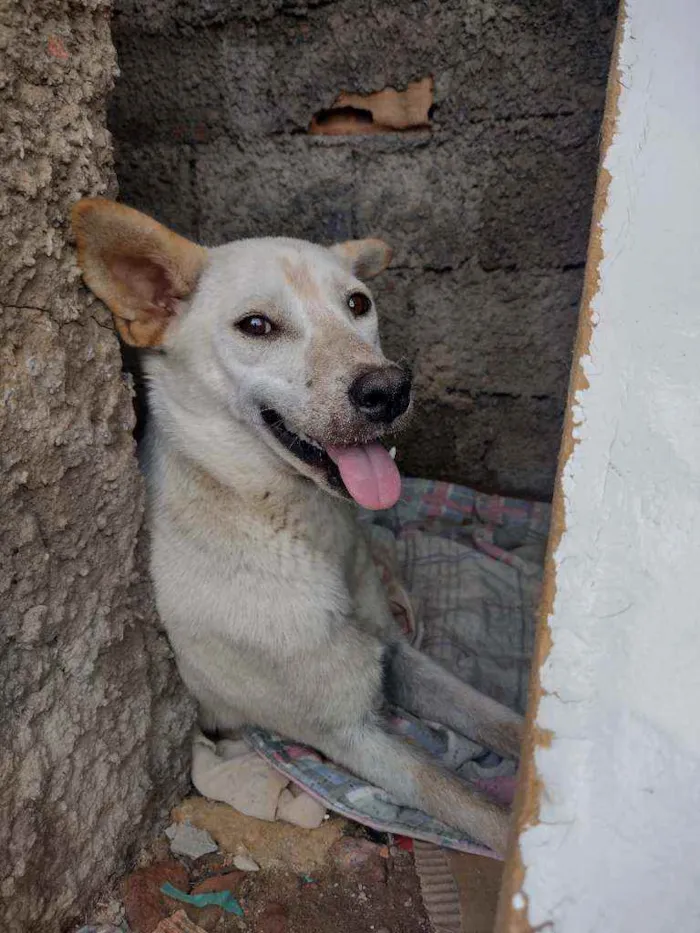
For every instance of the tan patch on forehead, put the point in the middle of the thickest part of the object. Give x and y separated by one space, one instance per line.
335 341
298 276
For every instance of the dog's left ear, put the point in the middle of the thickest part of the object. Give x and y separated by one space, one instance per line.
364 258
140 269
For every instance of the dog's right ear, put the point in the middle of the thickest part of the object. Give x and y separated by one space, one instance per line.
364 258
140 269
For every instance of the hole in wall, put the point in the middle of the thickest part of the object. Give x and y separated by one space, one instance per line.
343 121
385 111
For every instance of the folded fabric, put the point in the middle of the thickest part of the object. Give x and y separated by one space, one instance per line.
231 772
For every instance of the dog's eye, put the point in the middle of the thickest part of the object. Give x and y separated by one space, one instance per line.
359 304
255 326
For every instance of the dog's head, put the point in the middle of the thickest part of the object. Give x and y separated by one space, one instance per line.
283 334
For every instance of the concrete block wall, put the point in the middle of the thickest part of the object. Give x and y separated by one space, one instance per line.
488 210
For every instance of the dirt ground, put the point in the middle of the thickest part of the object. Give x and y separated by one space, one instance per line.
385 901
341 878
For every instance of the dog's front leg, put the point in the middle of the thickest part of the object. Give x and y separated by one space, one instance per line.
414 780
421 686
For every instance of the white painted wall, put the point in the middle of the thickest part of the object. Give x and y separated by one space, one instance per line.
617 848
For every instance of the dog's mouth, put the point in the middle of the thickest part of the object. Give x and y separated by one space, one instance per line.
302 446
365 472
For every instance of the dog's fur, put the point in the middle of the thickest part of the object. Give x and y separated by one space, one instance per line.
262 576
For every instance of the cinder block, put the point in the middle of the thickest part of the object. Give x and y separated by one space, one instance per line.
508 61
425 199
276 187
525 436
170 16
500 444
171 89
536 199
504 333
159 179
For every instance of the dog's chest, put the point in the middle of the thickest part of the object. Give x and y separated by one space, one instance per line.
289 553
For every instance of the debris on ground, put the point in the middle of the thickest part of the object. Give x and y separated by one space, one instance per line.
223 899
103 928
186 839
273 919
339 878
245 863
144 903
178 923
229 881
350 853
270 845
339 900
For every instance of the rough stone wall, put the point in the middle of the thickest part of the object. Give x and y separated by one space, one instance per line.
488 212
92 720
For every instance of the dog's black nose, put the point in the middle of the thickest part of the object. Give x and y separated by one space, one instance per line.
382 394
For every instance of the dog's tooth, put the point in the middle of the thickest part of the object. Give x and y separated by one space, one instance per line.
392 453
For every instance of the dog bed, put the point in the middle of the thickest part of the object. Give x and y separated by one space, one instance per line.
463 572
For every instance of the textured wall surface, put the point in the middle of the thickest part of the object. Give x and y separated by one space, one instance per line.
488 212
91 715
610 805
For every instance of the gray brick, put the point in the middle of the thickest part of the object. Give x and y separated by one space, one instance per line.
502 332
159 179
293 187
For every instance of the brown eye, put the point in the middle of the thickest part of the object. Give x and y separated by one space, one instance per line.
359 304
255 326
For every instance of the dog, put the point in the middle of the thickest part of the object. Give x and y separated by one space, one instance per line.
268 396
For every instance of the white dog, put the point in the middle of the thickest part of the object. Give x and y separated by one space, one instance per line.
268 392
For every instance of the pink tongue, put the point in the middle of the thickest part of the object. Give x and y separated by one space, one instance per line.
369 474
